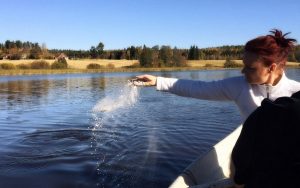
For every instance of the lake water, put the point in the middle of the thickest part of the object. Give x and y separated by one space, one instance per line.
93 130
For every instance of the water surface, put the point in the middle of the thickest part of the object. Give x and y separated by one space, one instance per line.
52 136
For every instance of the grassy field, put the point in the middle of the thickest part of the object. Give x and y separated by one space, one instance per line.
220 63
209 63
79 66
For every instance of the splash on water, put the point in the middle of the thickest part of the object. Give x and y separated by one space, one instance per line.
126 98
110 108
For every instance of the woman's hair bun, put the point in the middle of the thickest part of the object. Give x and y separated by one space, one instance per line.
281 40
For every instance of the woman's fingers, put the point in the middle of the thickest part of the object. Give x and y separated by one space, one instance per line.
144 78
147 80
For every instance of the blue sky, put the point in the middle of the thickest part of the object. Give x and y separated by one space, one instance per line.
79 24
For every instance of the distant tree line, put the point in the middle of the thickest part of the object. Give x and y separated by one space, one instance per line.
15 50
98 52
156 56
163 56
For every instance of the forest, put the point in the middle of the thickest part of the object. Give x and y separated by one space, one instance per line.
156 56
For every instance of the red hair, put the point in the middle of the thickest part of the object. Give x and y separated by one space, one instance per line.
273 48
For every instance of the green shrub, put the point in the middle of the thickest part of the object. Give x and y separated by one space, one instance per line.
59 65
93 66
41 64
62 60
23 66
231 64
7 66
110 66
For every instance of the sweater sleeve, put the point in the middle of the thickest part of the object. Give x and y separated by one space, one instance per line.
226 89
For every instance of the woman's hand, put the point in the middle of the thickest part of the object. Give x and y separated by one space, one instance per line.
147 80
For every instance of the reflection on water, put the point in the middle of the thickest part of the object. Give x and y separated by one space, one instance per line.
50 138
23 91
98 82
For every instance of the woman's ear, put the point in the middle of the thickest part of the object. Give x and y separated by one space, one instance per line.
273 67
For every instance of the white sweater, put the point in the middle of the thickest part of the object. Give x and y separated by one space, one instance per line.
247 96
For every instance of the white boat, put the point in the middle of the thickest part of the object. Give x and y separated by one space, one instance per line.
213 170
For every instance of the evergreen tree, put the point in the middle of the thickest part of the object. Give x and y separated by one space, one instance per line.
93 52
193 53
146 58
133 53
19 44
297 53
100 49
165 55
178 58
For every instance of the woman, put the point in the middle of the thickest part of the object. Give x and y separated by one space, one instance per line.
264 62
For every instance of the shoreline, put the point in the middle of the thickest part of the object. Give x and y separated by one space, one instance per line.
79 67
28 72
21 72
